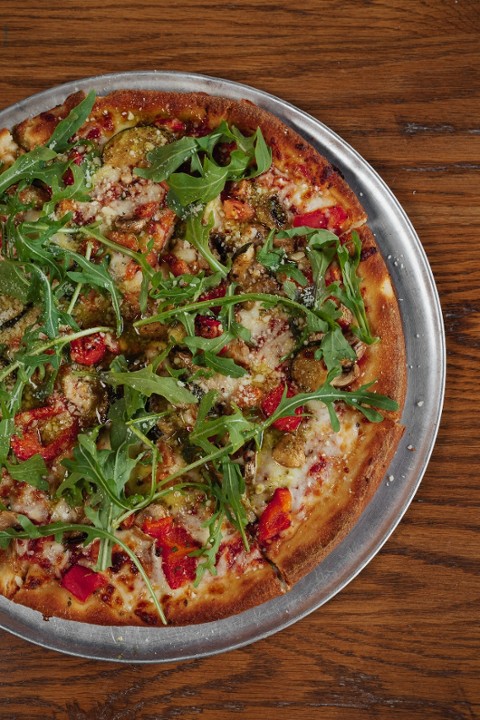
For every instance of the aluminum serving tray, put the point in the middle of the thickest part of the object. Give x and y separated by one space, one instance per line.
425 342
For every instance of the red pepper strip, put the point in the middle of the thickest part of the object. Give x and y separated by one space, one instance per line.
82 581
208 327
176 545
331 217
175 265
276 516
88 350
173 124
67 177
217 292
30 442
272 401
315 219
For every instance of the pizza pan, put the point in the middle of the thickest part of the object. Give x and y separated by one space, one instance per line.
425 341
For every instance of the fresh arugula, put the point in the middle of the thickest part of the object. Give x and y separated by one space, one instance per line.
32 471
60 139
189 192
148 383
198 235
97 275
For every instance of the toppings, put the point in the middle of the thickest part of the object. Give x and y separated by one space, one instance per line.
332 218
88 350
171 243
36 426
175 545
271 402
276 517
208 327
82 582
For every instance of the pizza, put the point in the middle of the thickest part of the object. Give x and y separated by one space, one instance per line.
202 359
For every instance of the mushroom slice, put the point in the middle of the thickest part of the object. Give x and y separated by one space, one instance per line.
347 377
289 451
8 519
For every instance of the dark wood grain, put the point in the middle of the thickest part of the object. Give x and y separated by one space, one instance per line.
400 81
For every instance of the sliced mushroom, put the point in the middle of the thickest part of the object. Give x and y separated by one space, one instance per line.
8 519
134 225
347 377
289 451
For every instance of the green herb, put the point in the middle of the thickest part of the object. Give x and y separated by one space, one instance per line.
334 348
26 167
97 276
59 139
190 189
148 383
32 471
198 235
223 365
233 489
14 281
166 159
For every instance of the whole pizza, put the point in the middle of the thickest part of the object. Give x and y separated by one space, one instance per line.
202 361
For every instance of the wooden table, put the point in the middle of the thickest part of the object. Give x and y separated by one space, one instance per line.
399 80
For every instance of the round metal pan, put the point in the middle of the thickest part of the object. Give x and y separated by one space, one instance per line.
425 343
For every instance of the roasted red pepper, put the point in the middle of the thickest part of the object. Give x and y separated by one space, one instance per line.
30 442
67 177
276 516
176 265
88 350
217 292
272 401
175 544
82 581
208 327
331 218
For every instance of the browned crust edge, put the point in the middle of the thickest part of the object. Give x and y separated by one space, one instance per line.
226 597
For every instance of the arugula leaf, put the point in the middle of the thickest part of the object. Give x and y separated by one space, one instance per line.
59 139
14 281
7 428
235 425
32 471
233 489
98 276
90 464
334 348
255 144
50 315
149 383
353 296
222 365
189 190
26 166
366 402
166 159
198 235
210 345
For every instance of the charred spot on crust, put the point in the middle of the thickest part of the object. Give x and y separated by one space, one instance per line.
367 252
146 617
